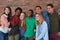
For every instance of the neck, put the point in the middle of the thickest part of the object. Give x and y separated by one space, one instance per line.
22 20
29 16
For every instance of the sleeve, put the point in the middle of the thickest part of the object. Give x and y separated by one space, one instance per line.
4 21
12 21
41 35
46 17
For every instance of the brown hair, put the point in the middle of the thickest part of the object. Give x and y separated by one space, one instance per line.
24 25
37 22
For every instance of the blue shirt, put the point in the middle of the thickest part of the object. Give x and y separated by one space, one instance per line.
46 17
42 31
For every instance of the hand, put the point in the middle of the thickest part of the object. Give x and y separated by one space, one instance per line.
58 33
9 29
8 24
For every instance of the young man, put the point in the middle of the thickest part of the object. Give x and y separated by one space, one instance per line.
30 25
38 10
53 17
14 33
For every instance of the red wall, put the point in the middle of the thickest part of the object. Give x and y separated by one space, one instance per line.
27 4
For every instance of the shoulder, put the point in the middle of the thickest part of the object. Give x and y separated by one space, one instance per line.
26 18
44 24
2 17
33 19
13 17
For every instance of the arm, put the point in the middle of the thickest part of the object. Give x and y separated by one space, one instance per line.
4 21
42 32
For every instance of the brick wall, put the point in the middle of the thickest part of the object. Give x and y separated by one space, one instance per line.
26 4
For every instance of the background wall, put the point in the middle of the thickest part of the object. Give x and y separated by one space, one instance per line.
26 4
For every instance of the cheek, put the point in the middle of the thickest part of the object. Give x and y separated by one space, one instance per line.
29 14
17 13
48 10
21 17
37 10
37 18
6 11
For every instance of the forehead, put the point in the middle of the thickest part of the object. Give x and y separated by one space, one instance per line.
22 14
29 12
7 8
49 7
18 11
37 7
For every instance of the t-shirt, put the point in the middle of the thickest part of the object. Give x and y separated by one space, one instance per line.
30 25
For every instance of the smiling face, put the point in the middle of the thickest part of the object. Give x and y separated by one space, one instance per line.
22 16
17 12
50 9
7 11
29 14
38 10
37 17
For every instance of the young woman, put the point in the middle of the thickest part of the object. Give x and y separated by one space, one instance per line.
41 28
22 25
5 24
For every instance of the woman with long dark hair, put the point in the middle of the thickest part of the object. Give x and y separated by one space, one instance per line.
4 28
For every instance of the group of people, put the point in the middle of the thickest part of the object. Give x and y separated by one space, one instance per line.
30 25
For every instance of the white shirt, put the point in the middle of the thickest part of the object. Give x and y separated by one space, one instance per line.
42 31
4 29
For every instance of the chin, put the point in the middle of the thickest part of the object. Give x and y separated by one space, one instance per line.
37 20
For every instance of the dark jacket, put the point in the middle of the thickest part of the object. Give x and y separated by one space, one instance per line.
54 25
